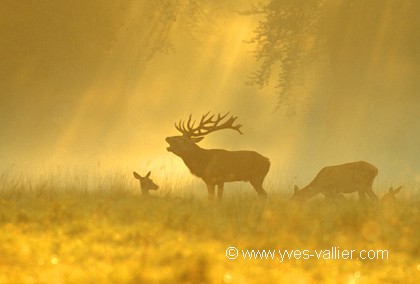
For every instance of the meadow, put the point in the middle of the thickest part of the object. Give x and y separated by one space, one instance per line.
63 228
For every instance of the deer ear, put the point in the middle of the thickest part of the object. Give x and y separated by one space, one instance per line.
197 139
296 189
397 190
136 175
148 174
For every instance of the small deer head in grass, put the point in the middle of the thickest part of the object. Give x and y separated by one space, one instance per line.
390 197
146 183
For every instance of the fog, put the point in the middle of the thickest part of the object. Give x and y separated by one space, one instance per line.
100 84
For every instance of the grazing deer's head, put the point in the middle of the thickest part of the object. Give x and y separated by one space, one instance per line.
146 183
297 195
302 195
191 134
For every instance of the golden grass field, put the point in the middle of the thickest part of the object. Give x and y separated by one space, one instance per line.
61 229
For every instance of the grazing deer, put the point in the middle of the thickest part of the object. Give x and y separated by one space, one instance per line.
389 198
146 183
332 181
217 166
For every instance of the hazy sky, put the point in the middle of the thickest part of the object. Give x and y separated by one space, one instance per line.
85 84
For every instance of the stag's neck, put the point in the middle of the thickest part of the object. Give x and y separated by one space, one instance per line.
197 160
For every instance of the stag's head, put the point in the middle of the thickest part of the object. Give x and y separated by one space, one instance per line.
192 134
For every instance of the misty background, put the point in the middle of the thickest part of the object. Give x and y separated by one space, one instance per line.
100 84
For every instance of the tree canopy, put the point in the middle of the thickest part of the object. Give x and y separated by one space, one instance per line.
345 42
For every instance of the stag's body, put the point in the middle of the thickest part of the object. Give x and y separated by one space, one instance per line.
332 181
217 166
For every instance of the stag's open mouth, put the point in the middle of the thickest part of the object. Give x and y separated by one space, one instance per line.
170 146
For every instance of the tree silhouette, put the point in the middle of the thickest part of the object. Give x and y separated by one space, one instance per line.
346 43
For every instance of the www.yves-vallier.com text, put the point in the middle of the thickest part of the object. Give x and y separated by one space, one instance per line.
333 253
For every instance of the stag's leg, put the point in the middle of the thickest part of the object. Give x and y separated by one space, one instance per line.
210 189
328 196
220 190
257 184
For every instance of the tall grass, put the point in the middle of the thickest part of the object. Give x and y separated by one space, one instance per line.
75 227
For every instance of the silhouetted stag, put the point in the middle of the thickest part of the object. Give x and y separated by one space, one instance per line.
217 166
332 181
146 183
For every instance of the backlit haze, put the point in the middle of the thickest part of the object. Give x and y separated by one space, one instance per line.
98 85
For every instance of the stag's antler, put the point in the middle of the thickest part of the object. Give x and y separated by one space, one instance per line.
207 125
